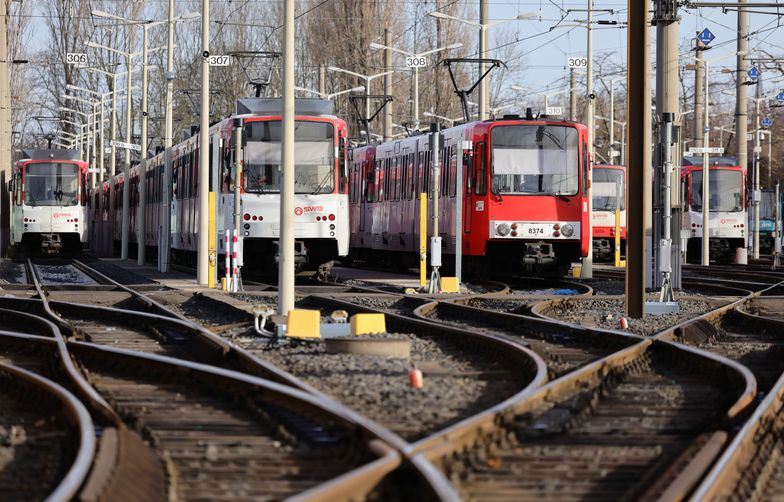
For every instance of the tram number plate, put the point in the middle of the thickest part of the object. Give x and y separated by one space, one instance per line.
536 230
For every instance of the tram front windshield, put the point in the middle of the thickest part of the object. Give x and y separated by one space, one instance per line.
726 190
767 204
607 186
51 184
535 160
314 157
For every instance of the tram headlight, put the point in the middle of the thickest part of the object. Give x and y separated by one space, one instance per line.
567 230
503 229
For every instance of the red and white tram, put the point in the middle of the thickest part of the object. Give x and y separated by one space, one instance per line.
525 207
728 213
49 201
609 194
321 185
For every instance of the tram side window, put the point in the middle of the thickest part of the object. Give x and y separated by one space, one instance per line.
370 183
480 169
452 171
18 189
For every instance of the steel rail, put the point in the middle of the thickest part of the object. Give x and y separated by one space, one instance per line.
79 418
373 436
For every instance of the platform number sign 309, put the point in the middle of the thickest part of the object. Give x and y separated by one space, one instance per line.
578 62
219 60
416 62
76 58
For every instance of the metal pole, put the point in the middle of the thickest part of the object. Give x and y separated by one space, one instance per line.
770 156
103 152
416 97
706 177
387 86
367 107
322 81
164 237
237 184
586 271
461 147
286 247
203 258
698 83
623 143
756 175
484 15
665 245
126 196
741 99
572 95
612 122
638 60
96 123
141 211
777 229
113 158
435 240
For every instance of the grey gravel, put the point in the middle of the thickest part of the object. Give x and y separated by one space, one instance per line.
116 272
12 272
606 313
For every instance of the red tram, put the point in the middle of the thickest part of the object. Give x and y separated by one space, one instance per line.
525 208
609 194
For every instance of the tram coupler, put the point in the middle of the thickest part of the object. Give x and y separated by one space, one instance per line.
539 253
51 243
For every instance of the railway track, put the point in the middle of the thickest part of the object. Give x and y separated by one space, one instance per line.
46 436
743 334
465 372
564 348
640 424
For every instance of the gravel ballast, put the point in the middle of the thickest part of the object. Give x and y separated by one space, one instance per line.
607 312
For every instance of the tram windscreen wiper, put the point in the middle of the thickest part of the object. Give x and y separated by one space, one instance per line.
322 184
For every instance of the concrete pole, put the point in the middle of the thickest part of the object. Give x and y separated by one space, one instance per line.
741 99
286 246
387 86
706 177
586 271
572 95
141 211
6 156
367 106
484 15
203 259
322 80
126 195
698 83
639 155
164 238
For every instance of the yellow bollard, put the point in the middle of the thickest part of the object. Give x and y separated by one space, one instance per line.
422 239
618 261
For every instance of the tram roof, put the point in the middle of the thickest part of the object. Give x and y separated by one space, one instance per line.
50 154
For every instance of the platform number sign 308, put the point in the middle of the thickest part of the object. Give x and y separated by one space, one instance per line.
577 62
416 62
219 60
76 58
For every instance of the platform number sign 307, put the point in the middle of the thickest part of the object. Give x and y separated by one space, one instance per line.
577 62
76 58
416 62
219 60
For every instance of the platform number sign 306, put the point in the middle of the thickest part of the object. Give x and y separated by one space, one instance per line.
416 62
76 58
219 60
577 62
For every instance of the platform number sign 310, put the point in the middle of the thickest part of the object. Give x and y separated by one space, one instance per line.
76 58
416 62
577 62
